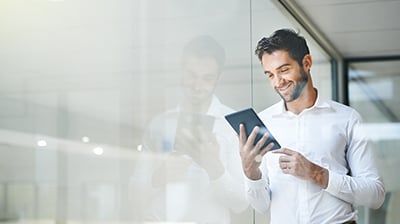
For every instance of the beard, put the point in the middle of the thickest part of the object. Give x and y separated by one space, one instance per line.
298 89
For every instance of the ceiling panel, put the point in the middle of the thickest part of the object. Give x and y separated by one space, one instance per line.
357 28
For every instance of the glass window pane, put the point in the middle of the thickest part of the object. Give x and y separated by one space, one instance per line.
112 111
373 92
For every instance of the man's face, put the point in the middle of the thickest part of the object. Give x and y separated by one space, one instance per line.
200 76
285 74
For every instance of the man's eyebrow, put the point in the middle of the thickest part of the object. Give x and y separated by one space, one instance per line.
279 67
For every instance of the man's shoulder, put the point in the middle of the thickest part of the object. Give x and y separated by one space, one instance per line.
341 107
342 111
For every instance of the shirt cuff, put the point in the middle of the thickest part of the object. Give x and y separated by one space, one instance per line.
255 184
334 183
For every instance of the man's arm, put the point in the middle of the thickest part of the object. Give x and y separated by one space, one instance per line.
257 190
258 193
364 186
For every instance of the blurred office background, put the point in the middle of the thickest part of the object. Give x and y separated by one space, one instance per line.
81 81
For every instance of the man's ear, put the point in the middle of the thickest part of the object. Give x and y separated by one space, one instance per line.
307 62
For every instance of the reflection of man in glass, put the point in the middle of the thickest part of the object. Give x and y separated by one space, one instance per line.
196 172
203 59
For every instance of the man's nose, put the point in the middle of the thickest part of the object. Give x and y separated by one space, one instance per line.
278 81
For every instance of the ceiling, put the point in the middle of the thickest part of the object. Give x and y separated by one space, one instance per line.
357 28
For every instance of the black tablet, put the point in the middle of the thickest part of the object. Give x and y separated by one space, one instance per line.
249 118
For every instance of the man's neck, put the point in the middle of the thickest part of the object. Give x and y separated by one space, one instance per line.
306 100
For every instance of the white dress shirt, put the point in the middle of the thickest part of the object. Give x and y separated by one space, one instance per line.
327 134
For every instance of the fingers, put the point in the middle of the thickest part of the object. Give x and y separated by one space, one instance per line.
252 136
266 148
247 141
261 142
294 163
285 159
242 135
252 154
284 165
258 151
285 151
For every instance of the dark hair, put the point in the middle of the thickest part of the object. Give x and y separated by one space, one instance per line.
284 39
204 46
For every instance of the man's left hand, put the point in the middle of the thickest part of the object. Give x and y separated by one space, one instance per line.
294 163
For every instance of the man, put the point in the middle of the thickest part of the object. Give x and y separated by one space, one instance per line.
325 165
195 173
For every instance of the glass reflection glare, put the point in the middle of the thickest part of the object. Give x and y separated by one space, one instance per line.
85 139
98 151
41 143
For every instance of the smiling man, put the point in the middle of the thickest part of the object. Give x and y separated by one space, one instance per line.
326 165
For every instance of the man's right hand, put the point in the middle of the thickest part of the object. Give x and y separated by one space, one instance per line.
251 154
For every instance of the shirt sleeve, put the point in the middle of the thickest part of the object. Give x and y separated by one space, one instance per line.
363 185
258 193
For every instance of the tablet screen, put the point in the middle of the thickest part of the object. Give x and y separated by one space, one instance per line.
250 119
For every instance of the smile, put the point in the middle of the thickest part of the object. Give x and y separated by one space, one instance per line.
284 88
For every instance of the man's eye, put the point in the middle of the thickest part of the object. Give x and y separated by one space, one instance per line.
284 70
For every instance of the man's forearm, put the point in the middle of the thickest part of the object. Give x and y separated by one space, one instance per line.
320 176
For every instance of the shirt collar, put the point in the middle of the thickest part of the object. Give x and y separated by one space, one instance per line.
319 103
